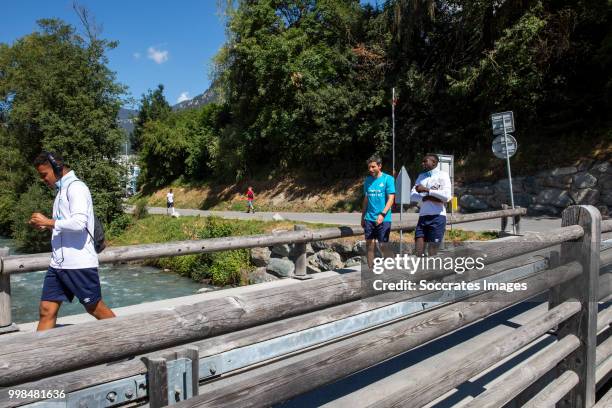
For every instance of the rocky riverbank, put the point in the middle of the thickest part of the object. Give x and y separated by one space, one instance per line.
278 261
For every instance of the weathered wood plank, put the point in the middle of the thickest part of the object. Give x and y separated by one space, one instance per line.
522 376
606 257
300 252
553 392
604 318
157 381
605 401
603 370
5 294
283 380
426 389
27 356
36 262
585 288
192 323
109 372
604 351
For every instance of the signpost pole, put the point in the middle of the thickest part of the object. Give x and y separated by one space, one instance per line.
509 175
401 249
393 127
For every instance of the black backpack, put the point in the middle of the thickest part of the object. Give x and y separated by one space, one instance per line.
98 238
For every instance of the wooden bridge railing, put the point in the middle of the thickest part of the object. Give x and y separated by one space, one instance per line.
40 361
36 262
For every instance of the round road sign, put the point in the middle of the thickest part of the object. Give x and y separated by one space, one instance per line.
499 146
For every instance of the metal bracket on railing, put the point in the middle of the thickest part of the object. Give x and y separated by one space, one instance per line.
110 394
173 377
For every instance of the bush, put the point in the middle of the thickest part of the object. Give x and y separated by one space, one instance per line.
219 268
118 225
140 209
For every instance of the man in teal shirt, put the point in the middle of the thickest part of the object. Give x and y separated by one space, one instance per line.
379 193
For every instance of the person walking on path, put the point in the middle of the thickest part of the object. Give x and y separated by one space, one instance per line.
379 194
432 189
73 270
170 203
250 195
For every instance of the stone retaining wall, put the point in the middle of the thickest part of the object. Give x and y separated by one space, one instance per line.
546 193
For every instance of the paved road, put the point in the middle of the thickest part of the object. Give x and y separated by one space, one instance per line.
535 224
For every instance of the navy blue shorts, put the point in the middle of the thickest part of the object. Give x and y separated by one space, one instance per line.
431 227
378 232
64 284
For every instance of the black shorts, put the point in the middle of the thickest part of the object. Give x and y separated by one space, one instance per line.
64 284
431 227
378 232
169 205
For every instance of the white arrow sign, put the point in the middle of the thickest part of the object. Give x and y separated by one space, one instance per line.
402 187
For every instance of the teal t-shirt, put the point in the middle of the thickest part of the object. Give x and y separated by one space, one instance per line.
377 190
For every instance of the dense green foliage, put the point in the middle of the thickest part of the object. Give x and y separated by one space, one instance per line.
307 84
219 268
184 144
57 94
153 106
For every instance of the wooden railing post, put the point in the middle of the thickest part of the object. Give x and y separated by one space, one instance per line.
300 256
6 321
584 288
517 222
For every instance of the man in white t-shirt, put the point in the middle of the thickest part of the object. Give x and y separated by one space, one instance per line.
432 189
73 270
170 203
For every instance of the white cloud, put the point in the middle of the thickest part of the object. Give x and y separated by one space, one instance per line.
136 55
184 96
156 55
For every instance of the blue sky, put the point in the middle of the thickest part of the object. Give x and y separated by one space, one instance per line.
160 42
165 42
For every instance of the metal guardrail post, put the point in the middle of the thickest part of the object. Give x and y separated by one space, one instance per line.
173 377
300 254
585 289
6 320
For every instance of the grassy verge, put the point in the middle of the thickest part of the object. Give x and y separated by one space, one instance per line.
219 268
227 267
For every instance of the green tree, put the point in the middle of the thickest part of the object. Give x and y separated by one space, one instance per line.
295 82
183 144
153 106
57 94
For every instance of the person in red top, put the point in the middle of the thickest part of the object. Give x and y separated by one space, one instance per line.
250 196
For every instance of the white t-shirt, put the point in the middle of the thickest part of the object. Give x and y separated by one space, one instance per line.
439 185
72 246
170 197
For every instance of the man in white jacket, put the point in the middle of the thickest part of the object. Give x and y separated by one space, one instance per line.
73 270
433 190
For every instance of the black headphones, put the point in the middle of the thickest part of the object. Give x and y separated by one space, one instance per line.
57 168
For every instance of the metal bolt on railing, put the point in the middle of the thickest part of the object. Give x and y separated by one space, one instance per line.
111 396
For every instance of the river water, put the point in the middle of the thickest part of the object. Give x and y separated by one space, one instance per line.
122 285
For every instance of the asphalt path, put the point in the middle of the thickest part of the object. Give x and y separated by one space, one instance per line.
528 224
